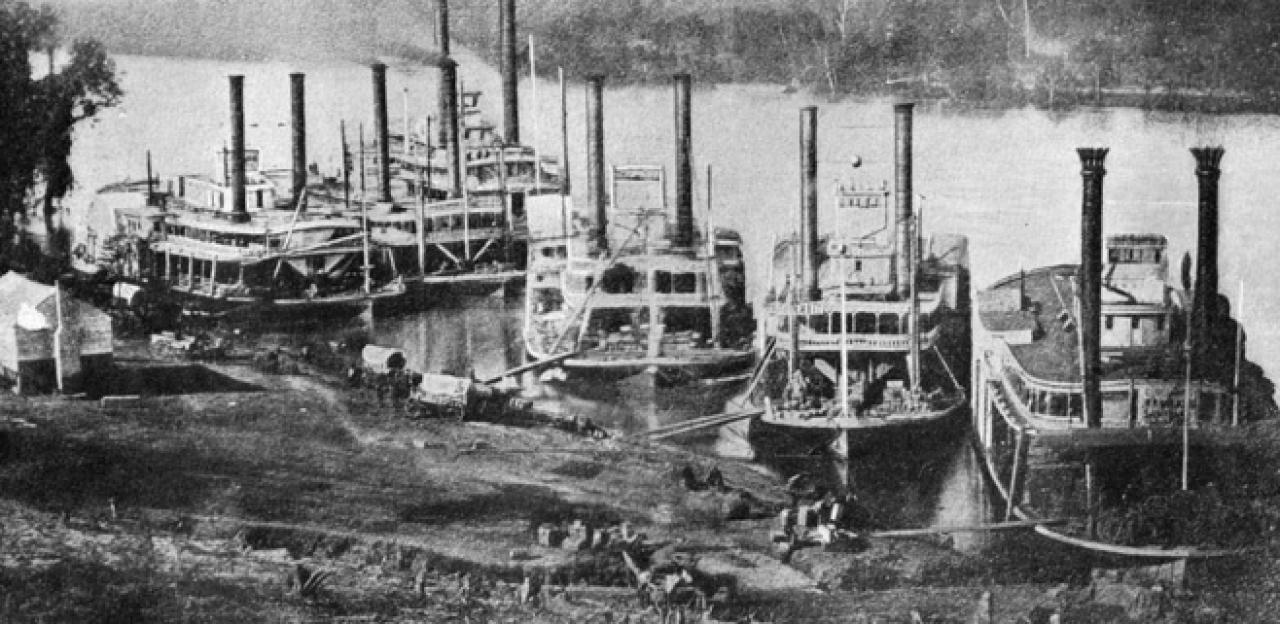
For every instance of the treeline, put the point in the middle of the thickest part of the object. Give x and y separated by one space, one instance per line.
1216 53
1168 53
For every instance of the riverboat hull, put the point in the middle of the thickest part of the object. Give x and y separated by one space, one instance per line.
1000 480
772 437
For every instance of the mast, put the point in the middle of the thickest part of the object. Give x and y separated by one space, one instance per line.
844 339
459 119
533 85
360 136
422 204
346 166
1235 404
564 159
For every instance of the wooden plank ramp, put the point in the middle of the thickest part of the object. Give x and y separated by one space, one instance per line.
695 424
970 528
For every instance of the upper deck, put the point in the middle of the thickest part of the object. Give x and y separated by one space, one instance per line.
1035 314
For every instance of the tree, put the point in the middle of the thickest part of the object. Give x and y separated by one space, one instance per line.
38 116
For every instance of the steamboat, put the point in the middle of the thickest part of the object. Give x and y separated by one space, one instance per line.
637 293
864 333
1093 382
233 242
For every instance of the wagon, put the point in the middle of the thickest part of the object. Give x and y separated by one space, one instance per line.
380 360
455 397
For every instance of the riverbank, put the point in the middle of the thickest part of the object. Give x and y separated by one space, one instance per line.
199 499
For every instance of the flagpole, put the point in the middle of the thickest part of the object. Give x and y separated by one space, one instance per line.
533 84
1235 407
1186 408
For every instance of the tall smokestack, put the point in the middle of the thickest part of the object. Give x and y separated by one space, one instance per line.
449 123
238 210
448 105
298 99
380 128
684 163
1091 281
1206 286
595 157
809 202
510 73
442 27
905 214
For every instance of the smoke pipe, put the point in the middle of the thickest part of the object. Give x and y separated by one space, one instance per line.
684 163
449 123
442 27
510 73
380 128
1206 286
448 105
297 92
239 212
1091 160
903 193
595 157
809 202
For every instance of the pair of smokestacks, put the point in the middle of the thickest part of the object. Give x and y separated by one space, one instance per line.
904 214
596 193
239 211
1204 300
448 106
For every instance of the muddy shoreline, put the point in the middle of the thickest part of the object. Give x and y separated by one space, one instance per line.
227 479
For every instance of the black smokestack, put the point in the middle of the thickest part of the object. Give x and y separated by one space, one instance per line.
595 157
449 123
448 104
1206 287
238 210
904 213
809 202
380 127
298 99
442 26
684 163
1091 281
510 73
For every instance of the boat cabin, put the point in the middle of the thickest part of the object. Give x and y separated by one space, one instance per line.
215 193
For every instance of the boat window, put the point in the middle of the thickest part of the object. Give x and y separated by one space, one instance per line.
1111 321
888 324
864 323
1159 323
662 281
1058 404
819 323
857 265
685 283
259 197
1135 322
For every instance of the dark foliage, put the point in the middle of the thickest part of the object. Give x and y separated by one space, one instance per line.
38 112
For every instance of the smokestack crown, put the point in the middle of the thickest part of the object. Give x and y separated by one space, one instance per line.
1091 159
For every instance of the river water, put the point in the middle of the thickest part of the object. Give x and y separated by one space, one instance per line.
1009 180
